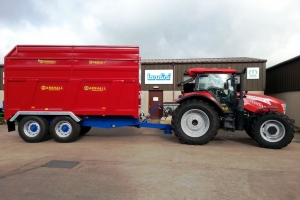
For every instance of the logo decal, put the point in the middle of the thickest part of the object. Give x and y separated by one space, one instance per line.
259 99
52 88
159 76
255 103
97 62
162 76
253 73
94 88
47 62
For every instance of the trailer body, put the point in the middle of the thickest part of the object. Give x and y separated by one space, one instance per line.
83 80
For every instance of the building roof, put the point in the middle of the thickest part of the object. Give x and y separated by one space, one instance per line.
285 62
203 60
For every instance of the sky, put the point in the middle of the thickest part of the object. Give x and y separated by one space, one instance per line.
163 29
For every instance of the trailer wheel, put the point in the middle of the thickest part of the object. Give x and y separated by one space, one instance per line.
84 130
195 122
64 129
33 129
273 130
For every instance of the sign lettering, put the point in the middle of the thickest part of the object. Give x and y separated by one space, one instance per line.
158 76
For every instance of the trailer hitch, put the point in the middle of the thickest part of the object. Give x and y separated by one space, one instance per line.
144 124
157 106
142 116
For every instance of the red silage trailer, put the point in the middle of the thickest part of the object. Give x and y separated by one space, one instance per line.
94 85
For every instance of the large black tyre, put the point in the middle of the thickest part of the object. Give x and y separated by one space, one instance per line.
273 130
64 129
249 132
195 122
84 130
248 125
248 128
33 129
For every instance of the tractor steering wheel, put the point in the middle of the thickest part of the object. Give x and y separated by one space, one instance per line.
217 91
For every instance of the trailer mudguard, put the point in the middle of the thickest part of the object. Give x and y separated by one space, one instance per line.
11 126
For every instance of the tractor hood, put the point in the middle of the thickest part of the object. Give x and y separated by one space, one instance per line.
254 102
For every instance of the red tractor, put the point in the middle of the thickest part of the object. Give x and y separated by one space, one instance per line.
214 98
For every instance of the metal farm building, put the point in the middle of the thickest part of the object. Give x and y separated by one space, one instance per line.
283 82
166 90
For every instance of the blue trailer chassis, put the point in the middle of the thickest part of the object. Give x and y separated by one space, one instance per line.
117 122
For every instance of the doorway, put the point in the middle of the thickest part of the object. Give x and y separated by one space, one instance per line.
156 97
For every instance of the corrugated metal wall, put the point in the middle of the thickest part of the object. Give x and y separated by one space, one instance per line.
180 69
283 77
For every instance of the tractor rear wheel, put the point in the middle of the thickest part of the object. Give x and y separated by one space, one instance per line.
195 122
273 130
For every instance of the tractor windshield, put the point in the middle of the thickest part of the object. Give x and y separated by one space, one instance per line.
219 85
214 80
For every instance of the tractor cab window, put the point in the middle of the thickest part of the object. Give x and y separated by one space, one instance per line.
219 85
188 87
213 80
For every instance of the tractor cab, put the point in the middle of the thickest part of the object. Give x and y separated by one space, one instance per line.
219 89
219 85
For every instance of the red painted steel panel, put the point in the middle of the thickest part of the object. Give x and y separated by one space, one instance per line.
86 80
254 102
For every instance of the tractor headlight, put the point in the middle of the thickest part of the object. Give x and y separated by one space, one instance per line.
284 107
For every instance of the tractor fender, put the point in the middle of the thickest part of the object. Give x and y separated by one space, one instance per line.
210 100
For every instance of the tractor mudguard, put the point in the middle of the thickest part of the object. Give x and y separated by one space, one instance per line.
203 96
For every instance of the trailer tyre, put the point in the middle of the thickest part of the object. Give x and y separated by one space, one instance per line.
195 122
84 130
33 129
273 130
64 129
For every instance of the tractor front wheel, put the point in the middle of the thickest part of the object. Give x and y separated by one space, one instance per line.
195 122
248 130
273 130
